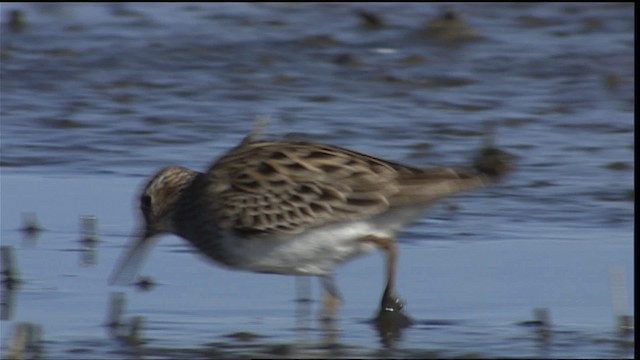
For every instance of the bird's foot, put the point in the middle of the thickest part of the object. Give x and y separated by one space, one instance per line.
391 304
391 320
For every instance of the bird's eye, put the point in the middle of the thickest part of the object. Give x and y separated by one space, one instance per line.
145 201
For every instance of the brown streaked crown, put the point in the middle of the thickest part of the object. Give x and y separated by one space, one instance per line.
161 196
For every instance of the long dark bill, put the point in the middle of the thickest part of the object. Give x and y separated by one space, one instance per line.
131 261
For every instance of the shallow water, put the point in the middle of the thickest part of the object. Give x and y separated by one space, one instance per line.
95 97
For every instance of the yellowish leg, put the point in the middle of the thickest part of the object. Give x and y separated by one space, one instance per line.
390 319
389 301
328 314
331 298
330 305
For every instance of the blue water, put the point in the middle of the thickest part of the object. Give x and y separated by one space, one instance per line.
95 97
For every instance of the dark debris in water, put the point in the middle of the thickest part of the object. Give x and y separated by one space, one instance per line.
456 132
347 59
321 98
145 283
370 20
618 165
428 82
515 121
412 60
16 21
612 81
630 195
60 52
319 40
437 322
244 336
449 27
541 184
494 162
30 224
626 195
62 123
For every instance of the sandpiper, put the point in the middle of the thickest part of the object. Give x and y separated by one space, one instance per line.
297 208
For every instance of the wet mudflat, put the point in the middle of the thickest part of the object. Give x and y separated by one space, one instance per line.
96 97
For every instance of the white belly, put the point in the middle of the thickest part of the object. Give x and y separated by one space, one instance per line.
318 250
314 252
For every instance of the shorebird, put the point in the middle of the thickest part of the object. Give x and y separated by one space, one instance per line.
298 208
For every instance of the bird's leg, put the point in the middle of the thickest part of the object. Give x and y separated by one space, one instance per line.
390 302
331 300
390 319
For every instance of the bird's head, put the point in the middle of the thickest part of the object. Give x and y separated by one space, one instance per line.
160 199
159 203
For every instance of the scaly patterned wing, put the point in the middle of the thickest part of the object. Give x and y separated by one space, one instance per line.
286 187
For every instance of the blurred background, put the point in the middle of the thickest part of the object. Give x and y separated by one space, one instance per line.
96 97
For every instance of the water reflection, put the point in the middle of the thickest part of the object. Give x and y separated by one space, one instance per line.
7 302
389 325
117 303
128 331
88 253
88 240
10 282
25 342
303 307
